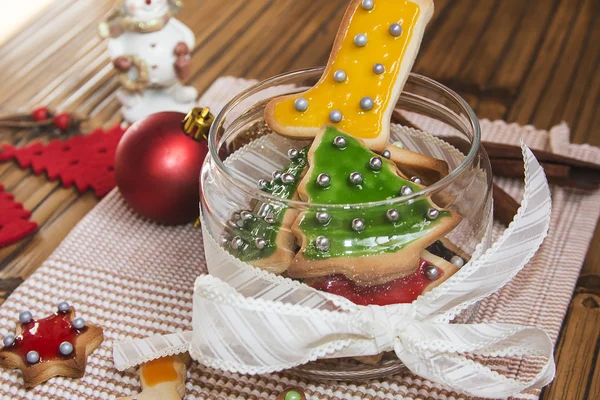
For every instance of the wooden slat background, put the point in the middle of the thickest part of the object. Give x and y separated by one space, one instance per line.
528 61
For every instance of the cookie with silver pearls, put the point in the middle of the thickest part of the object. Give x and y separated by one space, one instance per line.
337 240
56 345
364 76
262 236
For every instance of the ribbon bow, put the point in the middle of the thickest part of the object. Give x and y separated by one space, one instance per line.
249 321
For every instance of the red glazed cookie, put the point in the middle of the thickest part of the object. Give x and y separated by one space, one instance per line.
57 345
433 271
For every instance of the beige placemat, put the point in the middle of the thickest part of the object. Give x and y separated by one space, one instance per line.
135 278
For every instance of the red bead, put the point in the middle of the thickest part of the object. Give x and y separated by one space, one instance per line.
157 167
61 120
39 113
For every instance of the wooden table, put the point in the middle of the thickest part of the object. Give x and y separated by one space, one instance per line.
533 62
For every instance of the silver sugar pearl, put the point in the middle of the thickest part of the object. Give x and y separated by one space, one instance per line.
322 243
65 348
293 153
392 215
269 219
8 340
322 217
301 104
432 272
375 163
246 215
416 180
367 4
25 317
287 178
406 191
433 213
340 142
276 175
32 357
458 261
339 76
378 69
323 180
78 323
232 224
360 40
367 103
386 154
335 116
224 240
240 222
264 210
263 184
236 242
63 306
355 178
396 29
358 224
260 243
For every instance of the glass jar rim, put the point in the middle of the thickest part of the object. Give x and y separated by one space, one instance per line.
282 79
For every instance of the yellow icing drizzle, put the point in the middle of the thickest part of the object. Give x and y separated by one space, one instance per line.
158 371
328 95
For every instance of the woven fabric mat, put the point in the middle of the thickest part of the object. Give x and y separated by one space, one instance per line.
135 278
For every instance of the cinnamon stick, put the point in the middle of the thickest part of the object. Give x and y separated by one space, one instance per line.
506 151
507 161
505 207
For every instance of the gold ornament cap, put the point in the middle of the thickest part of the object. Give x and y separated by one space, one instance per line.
197 122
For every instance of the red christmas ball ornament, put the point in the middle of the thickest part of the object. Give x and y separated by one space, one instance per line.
39 113
61 120
157 165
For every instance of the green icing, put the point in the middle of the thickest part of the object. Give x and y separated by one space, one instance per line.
380 235
257 226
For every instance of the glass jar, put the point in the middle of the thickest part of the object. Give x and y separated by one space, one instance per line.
245 155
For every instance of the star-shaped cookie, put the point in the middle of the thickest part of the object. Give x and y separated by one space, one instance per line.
57 345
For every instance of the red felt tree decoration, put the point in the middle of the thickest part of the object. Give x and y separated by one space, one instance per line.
14 220
86 161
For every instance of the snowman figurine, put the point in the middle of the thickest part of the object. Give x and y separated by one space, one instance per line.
151 51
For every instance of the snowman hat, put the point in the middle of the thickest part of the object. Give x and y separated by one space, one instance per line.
117 21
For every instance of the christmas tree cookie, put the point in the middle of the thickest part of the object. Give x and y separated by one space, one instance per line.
368 244
371 59
262 237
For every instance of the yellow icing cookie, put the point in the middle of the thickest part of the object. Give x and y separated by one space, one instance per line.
163 378
371 59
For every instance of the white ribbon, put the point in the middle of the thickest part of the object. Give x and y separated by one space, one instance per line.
249 321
